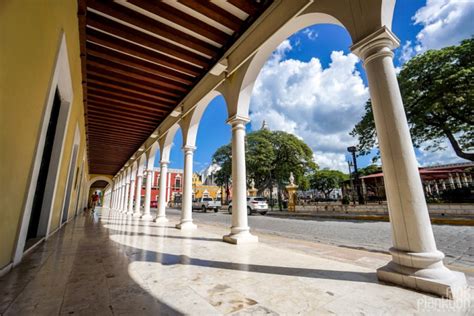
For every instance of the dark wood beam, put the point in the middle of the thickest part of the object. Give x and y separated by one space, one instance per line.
132 91
141 52
245 5
176 16
125 71
118 80
124 107
121 98
129 16
118 57
214 12
99 22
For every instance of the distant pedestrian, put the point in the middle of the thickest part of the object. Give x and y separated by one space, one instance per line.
95 200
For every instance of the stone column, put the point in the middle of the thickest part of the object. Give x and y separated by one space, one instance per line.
240 231
138 195
465 182
451 181
125 198
132 194
120 196
186 222
458 181
416 262
146 212
436 188
443 184
161 216
122 202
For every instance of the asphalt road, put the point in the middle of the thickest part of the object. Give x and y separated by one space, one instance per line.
457 242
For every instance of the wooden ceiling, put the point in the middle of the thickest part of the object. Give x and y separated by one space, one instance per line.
140 58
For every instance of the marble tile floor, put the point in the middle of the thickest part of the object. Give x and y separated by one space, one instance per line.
111 264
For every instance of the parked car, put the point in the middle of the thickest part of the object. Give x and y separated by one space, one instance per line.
255 204
206 203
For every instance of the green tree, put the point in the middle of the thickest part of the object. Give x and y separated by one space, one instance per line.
270 157
223 157
437 88
327 181
370 169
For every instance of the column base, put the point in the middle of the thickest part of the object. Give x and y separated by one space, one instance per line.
147 217
161 220
423 272
186 226
137 215
242 237
129 213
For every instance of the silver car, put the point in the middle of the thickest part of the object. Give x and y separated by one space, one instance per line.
255 204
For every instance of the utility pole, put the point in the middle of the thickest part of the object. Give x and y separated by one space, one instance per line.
349 164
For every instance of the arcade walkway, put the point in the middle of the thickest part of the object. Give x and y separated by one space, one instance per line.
113 265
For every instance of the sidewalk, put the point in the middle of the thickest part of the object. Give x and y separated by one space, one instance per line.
114 264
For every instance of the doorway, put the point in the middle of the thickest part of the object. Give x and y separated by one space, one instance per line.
37 210
67 200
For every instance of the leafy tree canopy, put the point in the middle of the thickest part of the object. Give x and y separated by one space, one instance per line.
327 181
370 169
437 88
270 157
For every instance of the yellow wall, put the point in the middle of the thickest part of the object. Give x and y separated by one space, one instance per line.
29 40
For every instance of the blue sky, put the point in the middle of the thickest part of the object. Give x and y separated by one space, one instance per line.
419 25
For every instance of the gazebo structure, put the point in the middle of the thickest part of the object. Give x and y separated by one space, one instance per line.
102 88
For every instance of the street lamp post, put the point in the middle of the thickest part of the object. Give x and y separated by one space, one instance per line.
349 164
353 150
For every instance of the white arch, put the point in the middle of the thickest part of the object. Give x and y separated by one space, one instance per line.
141 165
166 142
190 123
151 155
97 178
256 63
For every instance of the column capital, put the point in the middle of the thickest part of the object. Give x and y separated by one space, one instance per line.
148 171
236 120
188 148
379 43
164 163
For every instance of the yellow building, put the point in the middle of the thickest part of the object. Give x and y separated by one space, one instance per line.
200 190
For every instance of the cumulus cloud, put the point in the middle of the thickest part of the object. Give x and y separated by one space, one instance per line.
444 23
319 105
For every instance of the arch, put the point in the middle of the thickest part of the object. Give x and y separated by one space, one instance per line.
166 142
151 155
141 165
98 178
190 123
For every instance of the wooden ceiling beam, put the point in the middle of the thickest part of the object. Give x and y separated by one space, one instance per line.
106 127
118 86
135 73
100 101
179 17
143 53
102 23
129 83
121 121
97 107
214 12
107 113
245 6
129 16
111 96
106 53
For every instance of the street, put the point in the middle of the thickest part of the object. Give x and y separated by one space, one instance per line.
457 242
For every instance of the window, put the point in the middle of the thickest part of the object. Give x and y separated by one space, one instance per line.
177 182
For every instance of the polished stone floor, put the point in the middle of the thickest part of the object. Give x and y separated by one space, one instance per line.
111 264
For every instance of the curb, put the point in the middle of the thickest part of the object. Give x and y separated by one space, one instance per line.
379 218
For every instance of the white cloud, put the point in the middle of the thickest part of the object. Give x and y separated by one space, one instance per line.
443 156
310 33
444 23
319 105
